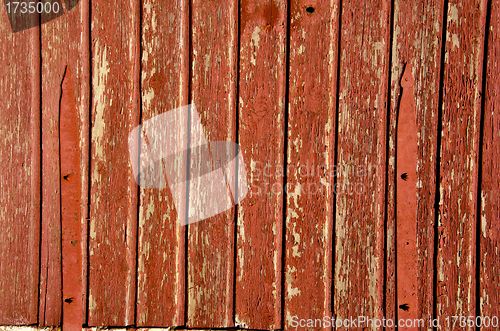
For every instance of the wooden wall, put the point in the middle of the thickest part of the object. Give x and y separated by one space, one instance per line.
370 131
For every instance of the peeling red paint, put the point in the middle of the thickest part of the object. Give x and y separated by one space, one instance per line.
371 115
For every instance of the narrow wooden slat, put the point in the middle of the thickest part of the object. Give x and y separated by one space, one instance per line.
64 47
211 241
310 159
416 47
261 121
406 200
461 108
165 75
113 205
490 190
20 180
71 194
359 255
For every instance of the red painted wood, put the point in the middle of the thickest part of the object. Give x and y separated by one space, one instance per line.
359 253
406 200
165 79
50 271
20 180
489 235
113 205
211 242
261 121
64 47
335 245
71 194
310 163
416 51
456 260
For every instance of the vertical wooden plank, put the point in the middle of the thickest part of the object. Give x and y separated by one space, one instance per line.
64 48
310 159
20 180
261 117
165 79
211 241
490 190
406 201
115 112
359 255
416 48
71 194
461 108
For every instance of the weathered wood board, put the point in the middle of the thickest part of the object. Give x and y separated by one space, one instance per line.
361 166
310 155
211 250
64 48
489 213
369 133
161 247
115 111
458 175
262 87
415 81
20 180
71 213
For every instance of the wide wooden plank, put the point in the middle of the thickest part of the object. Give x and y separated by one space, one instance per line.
65 47
461 108
310 160
211 241
20 180
261 121
113 205
489 236
415 81
165 81
361 167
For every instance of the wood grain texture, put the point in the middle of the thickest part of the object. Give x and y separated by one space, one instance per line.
417 35
359 254
261 121
113 209
165 81
50 270
20 180
461 108
489 236
211 242
310 160
64 47
362 145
